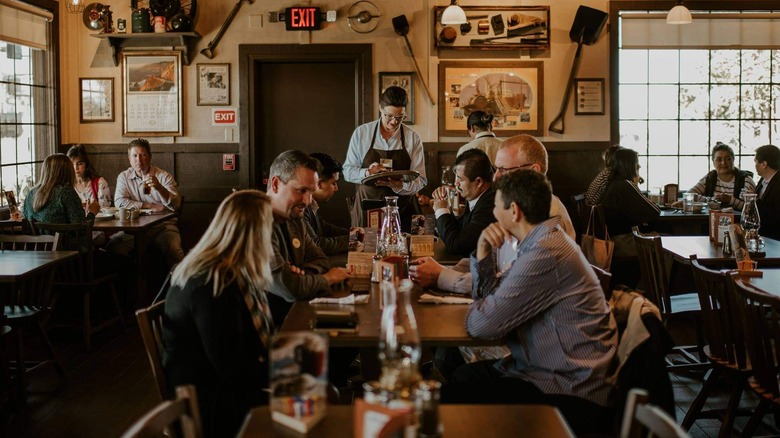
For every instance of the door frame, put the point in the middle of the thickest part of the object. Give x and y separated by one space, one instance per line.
250 55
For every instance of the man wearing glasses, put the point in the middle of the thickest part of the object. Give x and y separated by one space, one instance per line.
386 145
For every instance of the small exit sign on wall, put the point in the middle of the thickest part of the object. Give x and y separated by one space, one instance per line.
224 117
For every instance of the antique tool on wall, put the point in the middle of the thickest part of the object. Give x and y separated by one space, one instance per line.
587 26
401 26
208 52
92 16
361 17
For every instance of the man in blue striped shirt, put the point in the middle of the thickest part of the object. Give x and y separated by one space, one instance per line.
548 307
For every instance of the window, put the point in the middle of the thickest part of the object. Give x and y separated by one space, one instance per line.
675 101
28 121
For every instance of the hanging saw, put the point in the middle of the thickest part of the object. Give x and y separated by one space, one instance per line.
208 52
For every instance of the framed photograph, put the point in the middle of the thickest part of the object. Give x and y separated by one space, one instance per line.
495 28
512 91
403 79
213 84
152 93
97 99
590 96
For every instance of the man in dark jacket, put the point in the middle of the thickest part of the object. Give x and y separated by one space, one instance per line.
330 238
767 162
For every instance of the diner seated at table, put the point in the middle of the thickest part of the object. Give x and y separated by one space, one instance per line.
89 186
767 161
330 238
596 188
459 228
549 308
144 186
480 127
53 198
725 183
217 325
624 205
300 270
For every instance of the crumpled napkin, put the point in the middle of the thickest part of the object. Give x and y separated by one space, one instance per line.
433 299
349 299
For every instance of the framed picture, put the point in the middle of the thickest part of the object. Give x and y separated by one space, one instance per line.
495 28
213 84
590 96
97 99
512 91
152 93
405 80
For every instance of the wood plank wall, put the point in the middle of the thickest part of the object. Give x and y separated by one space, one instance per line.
197 168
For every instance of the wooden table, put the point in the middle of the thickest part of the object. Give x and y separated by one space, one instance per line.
768 283
681 248
18 266
138 228
677 223
484 421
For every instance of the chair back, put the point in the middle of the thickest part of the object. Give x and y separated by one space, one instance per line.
723 328
761 314
651 264
604 278
150 322
15 227
73 237
176 418
644 420
11 242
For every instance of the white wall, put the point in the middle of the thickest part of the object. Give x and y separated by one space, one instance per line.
77 50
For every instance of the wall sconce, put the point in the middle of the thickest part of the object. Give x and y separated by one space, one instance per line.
454 14
679 15
75 6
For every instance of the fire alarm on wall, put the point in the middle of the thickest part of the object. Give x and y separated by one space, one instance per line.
228 161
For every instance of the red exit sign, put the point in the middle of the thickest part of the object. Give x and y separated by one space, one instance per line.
302 18
224 117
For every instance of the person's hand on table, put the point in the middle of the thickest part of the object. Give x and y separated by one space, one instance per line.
492 237
336 275
677 204
723 198
425 271
423 200
93 207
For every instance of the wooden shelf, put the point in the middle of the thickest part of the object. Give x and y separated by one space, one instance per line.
183 41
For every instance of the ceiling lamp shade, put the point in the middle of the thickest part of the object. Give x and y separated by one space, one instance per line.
75 6
679 15
453 14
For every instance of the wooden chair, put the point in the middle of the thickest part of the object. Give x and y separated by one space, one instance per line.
150 323
29 305
78 278
15 227
656 282
724 332
176 418
642 419
605 278
761 315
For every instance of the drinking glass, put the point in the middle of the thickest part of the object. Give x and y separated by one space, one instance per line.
688 202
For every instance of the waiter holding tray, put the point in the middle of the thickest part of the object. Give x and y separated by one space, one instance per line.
386 158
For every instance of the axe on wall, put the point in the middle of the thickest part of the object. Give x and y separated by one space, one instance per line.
401 26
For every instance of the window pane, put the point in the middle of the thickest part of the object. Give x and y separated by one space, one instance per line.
663 137
694 138
754 134
692 169
694 101
725 101
664 102
775 101
661 171
633 102
756 101
725 66
670 74
755 66
633 66
745 162
724 131
634 135
694 66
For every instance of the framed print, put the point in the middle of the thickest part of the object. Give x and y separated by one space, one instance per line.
495 28
152 93
97 99
403 79
590 96
512 91
213 84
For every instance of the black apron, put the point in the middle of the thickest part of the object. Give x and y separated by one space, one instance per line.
407 204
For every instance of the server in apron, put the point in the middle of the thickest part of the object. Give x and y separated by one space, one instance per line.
385 145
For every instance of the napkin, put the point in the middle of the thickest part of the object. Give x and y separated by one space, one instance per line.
428 298
349 299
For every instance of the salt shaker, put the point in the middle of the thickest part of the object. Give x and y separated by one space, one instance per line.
727 248
427 395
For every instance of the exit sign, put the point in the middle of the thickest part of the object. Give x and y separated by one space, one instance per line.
303 18
224 117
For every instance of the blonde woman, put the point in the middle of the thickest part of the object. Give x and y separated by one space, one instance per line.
217 325
53 199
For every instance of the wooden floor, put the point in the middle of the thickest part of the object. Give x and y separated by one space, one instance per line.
112 386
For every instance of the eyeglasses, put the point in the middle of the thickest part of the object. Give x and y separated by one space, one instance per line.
390 117
503 170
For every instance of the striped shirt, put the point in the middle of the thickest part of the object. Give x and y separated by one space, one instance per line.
725 188
551 310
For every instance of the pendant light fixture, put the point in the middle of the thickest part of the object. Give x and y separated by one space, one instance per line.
453 14
75 6
679 15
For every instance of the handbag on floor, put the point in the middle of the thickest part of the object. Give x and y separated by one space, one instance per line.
597 251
